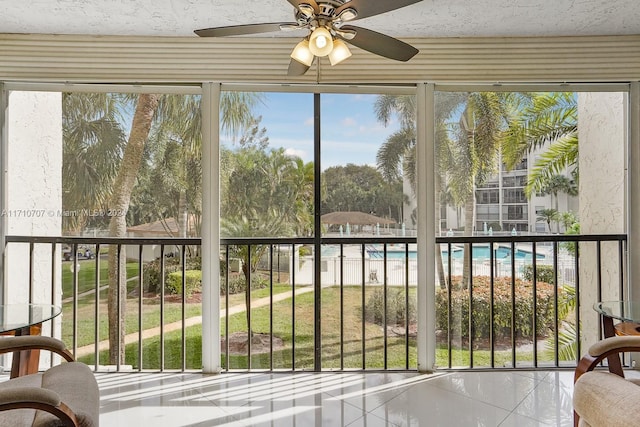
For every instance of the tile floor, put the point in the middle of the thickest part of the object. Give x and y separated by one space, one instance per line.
522 398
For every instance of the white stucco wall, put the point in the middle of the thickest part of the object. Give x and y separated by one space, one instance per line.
33 196
602 125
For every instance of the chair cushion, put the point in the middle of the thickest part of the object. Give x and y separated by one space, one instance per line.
604 399
77 387
19 417
73 382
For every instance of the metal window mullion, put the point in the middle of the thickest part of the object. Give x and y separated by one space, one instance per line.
317 227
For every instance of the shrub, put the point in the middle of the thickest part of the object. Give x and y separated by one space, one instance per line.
238 284
544 273
192 282
153 277
396 303
502 307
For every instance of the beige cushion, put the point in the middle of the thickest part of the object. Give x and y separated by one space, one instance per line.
602 399
73 383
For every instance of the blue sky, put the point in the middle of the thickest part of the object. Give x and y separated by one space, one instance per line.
350 132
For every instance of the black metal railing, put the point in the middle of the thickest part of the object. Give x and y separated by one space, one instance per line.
481 314
490 311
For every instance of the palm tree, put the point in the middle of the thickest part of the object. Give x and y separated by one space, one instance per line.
539 119
396 157
236 112
568 219
93 141
119 204
559 184
266 194
547 215
474 141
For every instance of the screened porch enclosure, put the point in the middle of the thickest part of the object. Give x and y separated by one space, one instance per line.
432 283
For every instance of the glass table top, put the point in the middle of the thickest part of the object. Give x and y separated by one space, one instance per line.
627 311
17 316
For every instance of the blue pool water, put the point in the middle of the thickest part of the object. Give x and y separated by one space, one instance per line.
479 253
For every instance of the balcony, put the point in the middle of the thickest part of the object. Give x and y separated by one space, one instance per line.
366 369
365 318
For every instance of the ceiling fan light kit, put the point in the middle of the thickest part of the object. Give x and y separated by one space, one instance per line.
339 53
302 53
321 42
325 20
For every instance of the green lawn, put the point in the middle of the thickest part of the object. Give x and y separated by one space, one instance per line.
87 275
299 353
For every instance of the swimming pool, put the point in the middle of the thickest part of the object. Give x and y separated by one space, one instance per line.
480 252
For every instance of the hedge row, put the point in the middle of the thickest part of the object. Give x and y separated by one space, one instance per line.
503 308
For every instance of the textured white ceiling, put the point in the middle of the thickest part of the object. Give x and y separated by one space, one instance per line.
429 18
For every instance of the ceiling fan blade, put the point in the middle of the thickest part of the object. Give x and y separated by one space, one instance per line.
241 30
366 8
381 44
296 68
311 3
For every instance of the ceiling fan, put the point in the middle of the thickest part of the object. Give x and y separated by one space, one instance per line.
326 22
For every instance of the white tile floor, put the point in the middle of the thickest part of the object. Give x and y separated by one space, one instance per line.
523 398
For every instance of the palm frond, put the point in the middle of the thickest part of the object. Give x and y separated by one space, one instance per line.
559 156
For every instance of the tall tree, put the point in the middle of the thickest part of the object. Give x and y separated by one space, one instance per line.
235 113
264 193
475 145
559 184
547 215
93 141
396 158
361 188
118 206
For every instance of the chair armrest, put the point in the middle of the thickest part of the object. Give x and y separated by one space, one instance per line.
34 342
605 348
617 344
37 398
605 399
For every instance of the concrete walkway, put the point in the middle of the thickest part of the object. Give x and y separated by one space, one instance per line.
191 321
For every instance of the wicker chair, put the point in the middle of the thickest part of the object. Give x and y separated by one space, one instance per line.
64 395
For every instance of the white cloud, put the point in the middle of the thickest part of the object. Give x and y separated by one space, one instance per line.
309 122
349 122
295 152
